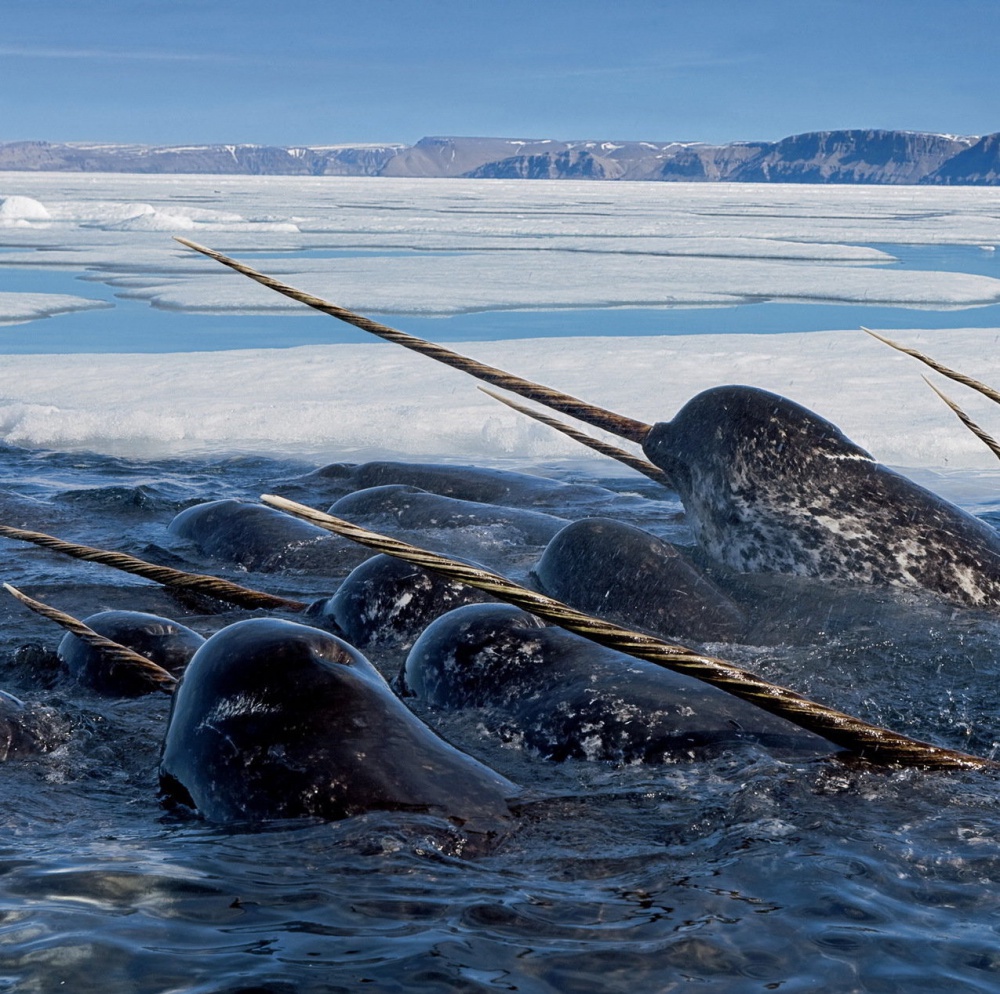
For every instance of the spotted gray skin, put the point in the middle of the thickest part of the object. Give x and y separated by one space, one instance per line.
567 698
472 483
386 601
29 729
770 487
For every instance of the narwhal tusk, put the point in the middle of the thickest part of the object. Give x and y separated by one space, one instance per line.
606 449
634 431
938 367
114 652
988 440
212 586
876 744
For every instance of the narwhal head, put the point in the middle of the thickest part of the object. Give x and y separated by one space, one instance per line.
757 474
767 485
745 434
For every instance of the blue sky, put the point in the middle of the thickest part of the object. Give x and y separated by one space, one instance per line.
291 72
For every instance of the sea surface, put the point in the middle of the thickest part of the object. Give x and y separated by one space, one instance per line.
746 870
131 325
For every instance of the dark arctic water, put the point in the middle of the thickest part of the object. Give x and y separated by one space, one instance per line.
748 871
131 325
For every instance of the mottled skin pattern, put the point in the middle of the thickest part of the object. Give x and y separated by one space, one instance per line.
567 698
770 487
273 719
385 600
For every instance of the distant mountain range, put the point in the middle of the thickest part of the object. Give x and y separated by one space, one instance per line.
893 157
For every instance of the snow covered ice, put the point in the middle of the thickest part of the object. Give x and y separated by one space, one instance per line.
409 247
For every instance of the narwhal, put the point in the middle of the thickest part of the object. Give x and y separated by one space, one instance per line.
767 485
588 701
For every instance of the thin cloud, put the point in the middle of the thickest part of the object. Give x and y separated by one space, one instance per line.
33 52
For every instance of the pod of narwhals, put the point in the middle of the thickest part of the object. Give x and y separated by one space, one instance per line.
276 718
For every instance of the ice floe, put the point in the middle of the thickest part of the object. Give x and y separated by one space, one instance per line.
379 401
448 246
443 246
21 209
19 308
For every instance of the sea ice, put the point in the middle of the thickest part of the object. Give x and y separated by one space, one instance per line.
17 208
443 246
451 246
503 280
359 402
19 308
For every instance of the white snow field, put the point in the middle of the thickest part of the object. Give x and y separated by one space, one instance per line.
459 245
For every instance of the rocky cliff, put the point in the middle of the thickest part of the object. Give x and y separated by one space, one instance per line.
848 156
